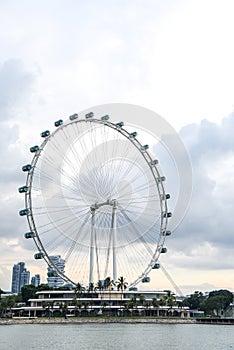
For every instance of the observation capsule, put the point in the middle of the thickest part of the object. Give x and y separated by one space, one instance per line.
24 212
29 234
167 196
163 250
145 280
26 167
34 149
105 117
45 133
73 116
133 134
89 115
145 147
23 189
134 289
58 122
156 266
38 255
161 178
120 124
168 233
154 162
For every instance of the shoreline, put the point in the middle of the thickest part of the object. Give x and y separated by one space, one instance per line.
82 320
123 320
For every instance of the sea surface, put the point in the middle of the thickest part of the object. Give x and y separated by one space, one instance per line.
117 336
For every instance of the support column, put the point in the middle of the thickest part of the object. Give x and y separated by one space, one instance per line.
91 254
113 230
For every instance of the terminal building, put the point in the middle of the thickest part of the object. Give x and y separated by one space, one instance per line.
57 303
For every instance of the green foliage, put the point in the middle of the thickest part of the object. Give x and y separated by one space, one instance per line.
44 286
79 289
225 295
108 283
122 284
194 301
217 301
28 292
168 300
7 303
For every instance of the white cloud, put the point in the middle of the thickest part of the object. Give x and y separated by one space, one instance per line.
174 57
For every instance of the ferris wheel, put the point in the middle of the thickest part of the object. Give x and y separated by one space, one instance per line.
94 195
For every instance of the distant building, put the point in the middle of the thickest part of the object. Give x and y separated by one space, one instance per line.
36 280
53 279
20 277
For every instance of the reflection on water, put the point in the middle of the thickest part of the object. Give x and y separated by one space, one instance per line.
117 336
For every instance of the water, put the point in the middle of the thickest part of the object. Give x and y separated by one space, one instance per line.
117 336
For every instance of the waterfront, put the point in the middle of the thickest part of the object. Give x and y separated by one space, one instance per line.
116 336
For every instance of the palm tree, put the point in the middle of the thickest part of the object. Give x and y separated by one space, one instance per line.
46 305
155 304
91 287
122 284
132 303
100 285
63 307
168 300
79 289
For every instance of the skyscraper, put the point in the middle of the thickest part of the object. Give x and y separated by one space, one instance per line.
36 280
53 279
20 277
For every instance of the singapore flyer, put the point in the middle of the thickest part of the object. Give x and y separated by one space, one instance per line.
95 196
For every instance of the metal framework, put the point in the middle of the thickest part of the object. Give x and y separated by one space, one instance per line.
114 205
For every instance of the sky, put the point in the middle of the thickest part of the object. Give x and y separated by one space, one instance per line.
172 57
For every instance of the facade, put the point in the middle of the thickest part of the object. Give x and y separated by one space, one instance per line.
53 279
108 303
36 280
20 277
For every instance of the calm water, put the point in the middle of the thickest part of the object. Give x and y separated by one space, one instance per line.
117 336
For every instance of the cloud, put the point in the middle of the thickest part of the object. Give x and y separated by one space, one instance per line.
205 238
16 85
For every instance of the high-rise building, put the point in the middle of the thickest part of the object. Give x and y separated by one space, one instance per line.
53 279
36 280
20 277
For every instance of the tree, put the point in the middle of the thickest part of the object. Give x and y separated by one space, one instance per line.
132 303
155 302
91 287
108 283
168 300
28 292
217 302
194 301
122 284
63 307
79 289
6 305
44 286
225 295
100 285
142 300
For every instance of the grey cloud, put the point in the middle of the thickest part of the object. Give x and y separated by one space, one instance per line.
16 85
209 222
